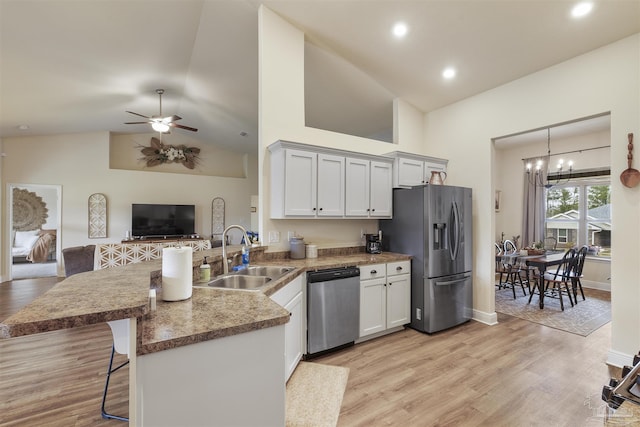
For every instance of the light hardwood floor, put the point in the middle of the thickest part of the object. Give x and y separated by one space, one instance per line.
516 373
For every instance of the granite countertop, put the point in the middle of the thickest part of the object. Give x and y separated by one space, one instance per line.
123 292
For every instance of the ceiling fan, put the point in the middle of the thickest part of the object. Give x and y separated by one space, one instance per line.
159 123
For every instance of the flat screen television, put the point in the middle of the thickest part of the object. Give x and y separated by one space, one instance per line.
162 220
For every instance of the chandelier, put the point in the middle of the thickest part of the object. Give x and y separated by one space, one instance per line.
539 178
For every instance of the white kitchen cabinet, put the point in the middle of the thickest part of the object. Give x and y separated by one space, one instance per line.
373 299
369 190
385 297
413 169
291 297
317 182
300 183
381 190
357 187
398 294
331 185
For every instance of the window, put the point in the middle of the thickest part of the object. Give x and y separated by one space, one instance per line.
562 235
579 213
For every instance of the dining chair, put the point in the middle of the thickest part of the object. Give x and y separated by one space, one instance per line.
554 280
509 247
576 273
529 272
507 267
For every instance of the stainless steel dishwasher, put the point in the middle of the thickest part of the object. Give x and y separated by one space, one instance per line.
333 308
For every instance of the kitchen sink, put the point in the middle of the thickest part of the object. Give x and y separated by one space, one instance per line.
251 278
269 271
239 281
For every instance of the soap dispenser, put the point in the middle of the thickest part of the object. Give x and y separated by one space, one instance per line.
205 271
245 256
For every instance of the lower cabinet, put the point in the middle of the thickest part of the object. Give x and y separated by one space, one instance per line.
291 298
385 297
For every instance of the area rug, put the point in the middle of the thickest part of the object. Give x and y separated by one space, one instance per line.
581 319
314 395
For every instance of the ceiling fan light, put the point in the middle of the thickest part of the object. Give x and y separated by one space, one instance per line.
160 127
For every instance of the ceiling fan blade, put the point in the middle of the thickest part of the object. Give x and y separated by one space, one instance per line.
171 119
175 125
136 123
136 114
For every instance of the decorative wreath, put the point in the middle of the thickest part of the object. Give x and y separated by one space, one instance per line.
29 210
159 153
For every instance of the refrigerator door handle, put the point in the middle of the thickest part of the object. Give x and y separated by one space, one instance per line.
455 230
453 282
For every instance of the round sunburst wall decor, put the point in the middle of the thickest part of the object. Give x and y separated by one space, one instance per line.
29 210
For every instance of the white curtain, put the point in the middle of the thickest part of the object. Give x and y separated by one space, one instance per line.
533 208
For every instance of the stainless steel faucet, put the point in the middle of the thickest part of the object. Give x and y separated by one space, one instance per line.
225 265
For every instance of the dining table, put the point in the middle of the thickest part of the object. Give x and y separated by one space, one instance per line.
540 262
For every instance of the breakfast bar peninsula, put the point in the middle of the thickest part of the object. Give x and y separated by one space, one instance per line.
200 361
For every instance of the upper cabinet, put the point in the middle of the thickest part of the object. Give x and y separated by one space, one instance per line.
368 188
316 182
410 170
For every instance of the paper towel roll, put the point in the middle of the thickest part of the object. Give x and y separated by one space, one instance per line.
177 273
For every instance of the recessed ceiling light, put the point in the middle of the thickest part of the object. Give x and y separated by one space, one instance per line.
23 127
581 9
400 30
449 73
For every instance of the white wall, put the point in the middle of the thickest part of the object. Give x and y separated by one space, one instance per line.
606 79
281 110
80 164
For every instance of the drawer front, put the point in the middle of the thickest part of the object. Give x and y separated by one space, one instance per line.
372 271
399 267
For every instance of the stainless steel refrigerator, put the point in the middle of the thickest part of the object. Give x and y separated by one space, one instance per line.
433 223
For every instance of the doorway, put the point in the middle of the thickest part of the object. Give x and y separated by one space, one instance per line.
34 230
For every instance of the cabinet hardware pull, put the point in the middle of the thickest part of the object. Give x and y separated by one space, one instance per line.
374 272
320 208
314 209
398 268
373 210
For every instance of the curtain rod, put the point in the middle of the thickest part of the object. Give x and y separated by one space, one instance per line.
569 152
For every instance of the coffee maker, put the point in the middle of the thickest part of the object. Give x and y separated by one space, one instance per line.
373 244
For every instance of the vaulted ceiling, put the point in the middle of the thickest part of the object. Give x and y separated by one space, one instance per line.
71 66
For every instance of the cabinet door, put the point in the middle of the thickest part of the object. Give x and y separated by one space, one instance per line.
381 189
300 183
330 185
357 187
293 335
398 300
411 172
373 306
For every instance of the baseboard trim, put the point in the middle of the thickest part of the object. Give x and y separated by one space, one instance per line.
619 359
596 285
484 317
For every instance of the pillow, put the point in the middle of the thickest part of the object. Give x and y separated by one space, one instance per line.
26 239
